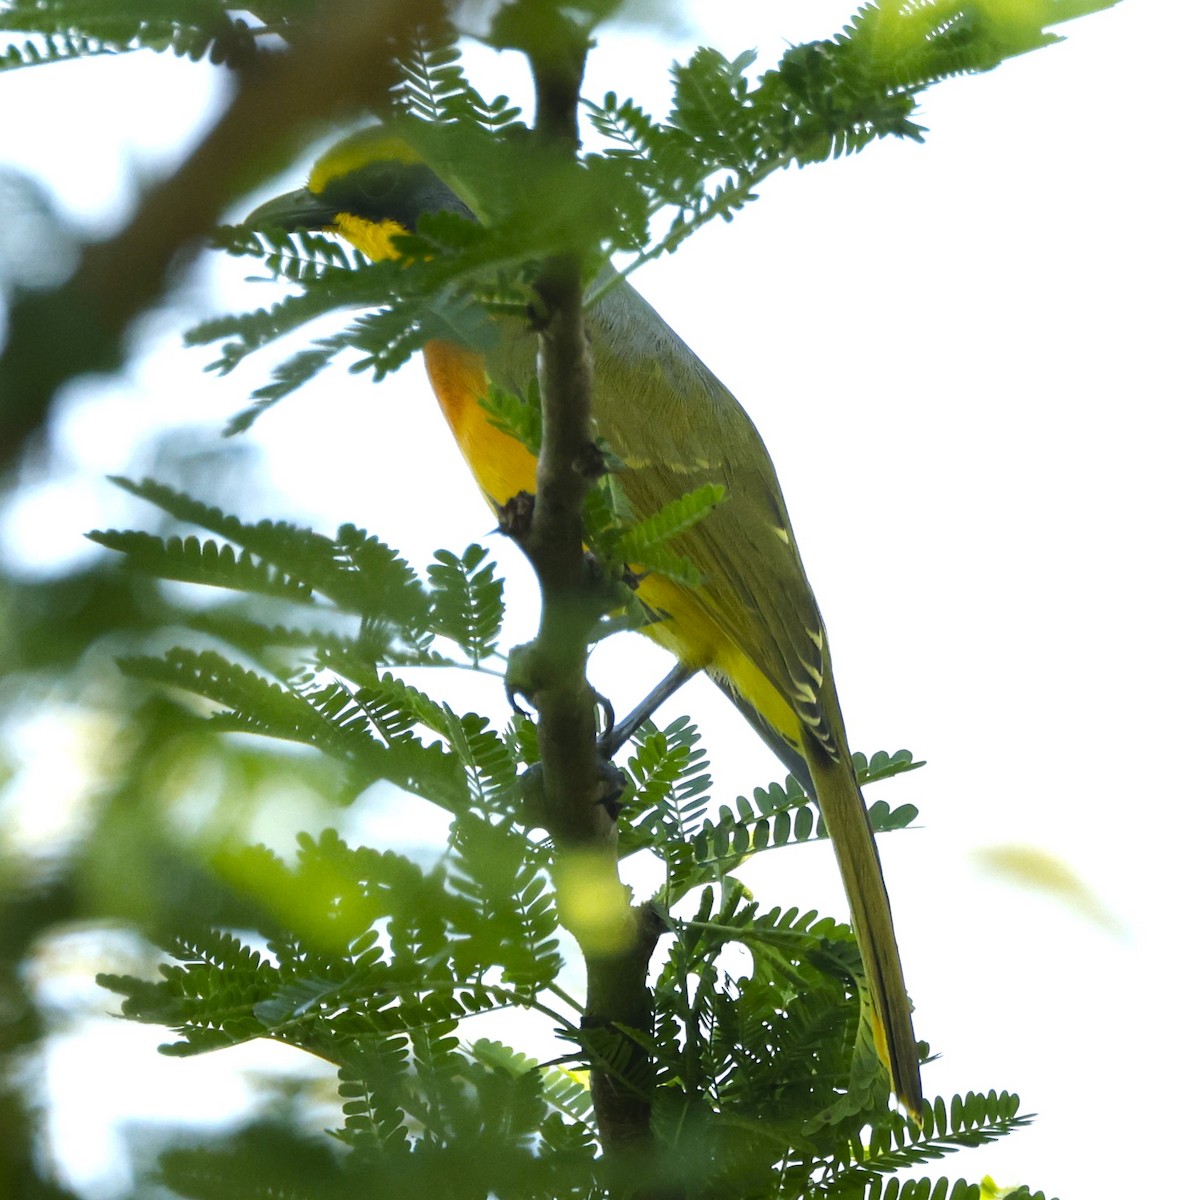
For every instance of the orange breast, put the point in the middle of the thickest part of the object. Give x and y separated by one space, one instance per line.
501 465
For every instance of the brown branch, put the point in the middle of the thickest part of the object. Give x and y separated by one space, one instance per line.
570 604
616 938
339 63
553 540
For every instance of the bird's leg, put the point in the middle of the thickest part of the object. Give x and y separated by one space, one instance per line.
608 717
617 735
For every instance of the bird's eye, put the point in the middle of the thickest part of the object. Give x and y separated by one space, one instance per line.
378 184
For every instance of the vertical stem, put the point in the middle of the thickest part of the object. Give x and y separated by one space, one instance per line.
616 938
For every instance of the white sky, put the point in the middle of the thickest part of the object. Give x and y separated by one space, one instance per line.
974 363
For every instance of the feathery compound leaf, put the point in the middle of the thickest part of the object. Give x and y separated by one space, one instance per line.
780 815
646 149
975 1119
286 378
356 728
402 305
711 104
669 791
387 339
882 765
190 560
297 552
376 582
433 86
773 817
300 256
372 1101
568 1092
828 98
644 544
195 29
518 416
921 1189
51 48
257 703
356 571
207 995
468 600
512 922
784 1029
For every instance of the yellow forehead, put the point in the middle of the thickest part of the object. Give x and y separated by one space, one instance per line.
367 146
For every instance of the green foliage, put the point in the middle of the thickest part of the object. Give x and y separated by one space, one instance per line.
379 963
518 416
776 816
333 280
666 799
941 1189
383 965
356 572
468 601
670 811
374 949
195 29
433 87
644 545
723 136
883 765
971 1120
760 1064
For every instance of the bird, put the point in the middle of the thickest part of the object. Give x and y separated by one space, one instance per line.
753 624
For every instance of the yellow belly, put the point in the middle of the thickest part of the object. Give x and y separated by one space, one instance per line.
689 631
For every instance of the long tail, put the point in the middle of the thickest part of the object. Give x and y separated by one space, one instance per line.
845 814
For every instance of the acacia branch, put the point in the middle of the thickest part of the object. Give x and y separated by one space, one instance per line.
616 938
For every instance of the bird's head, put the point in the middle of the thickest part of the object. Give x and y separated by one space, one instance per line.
369 187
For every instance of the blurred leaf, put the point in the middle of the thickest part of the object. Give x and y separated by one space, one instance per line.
1036 870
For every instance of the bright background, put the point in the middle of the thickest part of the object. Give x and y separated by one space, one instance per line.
974 363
